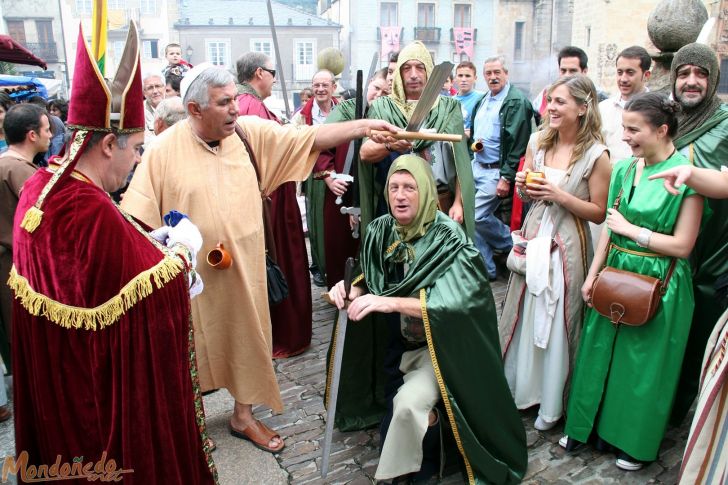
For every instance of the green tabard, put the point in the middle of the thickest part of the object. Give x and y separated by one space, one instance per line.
628 377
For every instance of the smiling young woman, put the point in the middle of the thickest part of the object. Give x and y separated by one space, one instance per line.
541 319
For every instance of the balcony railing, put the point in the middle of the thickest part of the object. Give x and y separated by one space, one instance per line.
45 50
427 34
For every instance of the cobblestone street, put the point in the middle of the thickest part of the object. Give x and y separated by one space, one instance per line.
355 455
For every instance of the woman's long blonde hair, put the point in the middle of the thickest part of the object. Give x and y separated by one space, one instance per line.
582 89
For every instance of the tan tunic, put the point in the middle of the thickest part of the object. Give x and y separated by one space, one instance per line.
217 189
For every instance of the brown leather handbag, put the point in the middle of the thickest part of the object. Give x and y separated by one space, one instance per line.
627 297
623 296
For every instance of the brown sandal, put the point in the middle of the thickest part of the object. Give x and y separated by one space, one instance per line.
259 435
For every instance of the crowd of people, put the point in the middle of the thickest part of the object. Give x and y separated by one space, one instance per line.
163 295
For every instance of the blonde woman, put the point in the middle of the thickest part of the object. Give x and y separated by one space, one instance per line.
542 313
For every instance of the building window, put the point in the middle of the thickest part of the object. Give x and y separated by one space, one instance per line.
425 14
45 31
518 41
588 36
264 46
150 49
84 7
388 14
16 29
723 83
148 7
304 64
117 4
218 52
118 49
462 15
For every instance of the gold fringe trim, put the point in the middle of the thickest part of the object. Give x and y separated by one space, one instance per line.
31 219
443 389
103 315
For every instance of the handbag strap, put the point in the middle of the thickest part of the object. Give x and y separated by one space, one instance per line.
615 206
270 243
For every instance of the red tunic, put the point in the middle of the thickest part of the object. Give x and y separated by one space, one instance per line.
290 319
338 242
127 388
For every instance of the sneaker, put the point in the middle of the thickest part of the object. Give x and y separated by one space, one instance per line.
569 444
543 425
564 441
627 463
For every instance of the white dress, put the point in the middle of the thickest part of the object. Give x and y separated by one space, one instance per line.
535 374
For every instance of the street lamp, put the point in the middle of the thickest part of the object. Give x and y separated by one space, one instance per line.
189 52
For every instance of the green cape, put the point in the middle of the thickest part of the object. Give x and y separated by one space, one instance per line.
458 311
445 117
706 147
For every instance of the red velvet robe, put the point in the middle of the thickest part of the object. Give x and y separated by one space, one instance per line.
126 388
338 242
290 319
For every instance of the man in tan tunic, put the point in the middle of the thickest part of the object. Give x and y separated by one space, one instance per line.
201 167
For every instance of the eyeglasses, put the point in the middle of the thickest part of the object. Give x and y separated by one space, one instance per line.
272 72
321 85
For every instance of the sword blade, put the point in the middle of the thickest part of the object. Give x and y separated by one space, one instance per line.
334 390
338 356
372 70
429 95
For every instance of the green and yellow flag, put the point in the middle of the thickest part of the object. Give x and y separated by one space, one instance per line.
99 34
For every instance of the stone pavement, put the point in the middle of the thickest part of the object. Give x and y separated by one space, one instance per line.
355 454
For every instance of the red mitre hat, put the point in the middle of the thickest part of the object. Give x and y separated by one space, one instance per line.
98 106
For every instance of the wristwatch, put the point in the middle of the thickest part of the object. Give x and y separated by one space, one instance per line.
643 238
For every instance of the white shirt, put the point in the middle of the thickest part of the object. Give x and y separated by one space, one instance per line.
318 117
611 110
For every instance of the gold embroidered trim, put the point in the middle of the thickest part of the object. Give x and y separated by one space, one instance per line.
392 247
441 384
33 216
103 315
329 373
357 280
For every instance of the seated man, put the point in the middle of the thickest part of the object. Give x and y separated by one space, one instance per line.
420 268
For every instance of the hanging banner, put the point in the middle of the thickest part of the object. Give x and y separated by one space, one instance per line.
464 40
390 40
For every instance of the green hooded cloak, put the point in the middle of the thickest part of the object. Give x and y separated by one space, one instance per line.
445 117
706 146
447 274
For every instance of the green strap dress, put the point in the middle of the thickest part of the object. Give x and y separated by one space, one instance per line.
625 379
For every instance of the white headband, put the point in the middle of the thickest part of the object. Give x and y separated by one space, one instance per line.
191 76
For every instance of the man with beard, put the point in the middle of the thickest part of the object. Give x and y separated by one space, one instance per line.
702 137
291 318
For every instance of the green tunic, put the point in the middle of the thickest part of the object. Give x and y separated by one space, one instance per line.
625 379
706 147
445 117
462 338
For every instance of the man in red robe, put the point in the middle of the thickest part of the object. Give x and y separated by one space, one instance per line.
291 318
104 355
338 243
